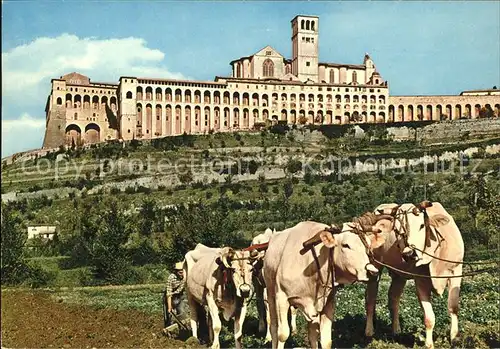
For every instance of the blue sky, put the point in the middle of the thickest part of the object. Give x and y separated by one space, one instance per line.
421 48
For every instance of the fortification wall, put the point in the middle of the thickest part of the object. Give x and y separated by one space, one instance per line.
55 129
445 130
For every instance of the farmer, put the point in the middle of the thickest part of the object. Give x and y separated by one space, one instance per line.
174 292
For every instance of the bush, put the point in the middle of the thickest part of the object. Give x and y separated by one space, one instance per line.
39 276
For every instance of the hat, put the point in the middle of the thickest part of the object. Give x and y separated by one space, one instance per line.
179 266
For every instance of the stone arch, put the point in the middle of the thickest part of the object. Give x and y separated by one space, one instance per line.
73 134
158 128
226 117
112 102
59 101
149 93
428 112
197 96
139 119
439 112
355 99
310 117
319 117
347 99
307 25
468 110
86 102
187 96
265 114
302 24
246 118
129 95
178 96
313 26
217 117
216 97
246 98
92 133
158 94
149 119
236 117
401 113
293 116
197 119
95 102
69 100
448 114
104 102
411 114
458 112
168 94
138 93
284 115
497 110
226 98
381 117
178 120
346 118
268 68
256 115
420 113
206 119
187 119
329 117
265 100
310 97
391 113
236 98
477 110
207 98
255 99
381 99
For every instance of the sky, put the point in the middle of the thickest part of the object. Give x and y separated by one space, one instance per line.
420 48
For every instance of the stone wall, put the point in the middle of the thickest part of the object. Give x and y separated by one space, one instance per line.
446 130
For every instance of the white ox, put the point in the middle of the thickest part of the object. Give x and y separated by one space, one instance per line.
261 295
220 278
293 278
397 253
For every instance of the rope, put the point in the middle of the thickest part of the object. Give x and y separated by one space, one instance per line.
475 272
455 262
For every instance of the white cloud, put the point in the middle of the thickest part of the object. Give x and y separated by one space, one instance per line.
28 69
20 134
28 66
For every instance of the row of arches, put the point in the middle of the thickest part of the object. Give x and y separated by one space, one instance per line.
77 102
74 136
246 98
441 112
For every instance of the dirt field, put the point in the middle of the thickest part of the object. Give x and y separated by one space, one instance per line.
35 320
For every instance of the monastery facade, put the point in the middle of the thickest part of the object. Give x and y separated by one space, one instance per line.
264 86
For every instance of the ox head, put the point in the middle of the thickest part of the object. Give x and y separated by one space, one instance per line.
238 265
413 226
352 250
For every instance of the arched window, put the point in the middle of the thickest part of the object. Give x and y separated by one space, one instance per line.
307 25
59 101
332 76
302 24
287 69
312 25
129 95
354 77
268 68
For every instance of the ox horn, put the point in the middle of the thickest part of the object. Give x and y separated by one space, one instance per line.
383 216
316 239
370 229
227 254
424 204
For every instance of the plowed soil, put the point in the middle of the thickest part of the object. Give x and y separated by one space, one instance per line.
35 320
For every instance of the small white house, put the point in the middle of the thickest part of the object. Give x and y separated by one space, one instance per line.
42 231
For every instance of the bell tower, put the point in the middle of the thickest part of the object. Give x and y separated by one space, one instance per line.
305 47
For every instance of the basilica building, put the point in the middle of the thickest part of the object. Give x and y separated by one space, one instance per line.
263 87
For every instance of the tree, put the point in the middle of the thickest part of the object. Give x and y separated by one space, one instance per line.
147 219
14 268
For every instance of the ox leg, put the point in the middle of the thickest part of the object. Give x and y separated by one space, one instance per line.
268 320
238 326
395 290
326 321
193 314
273 316
293 320
216 323
313 332
370 302
282 306
453 302
424 287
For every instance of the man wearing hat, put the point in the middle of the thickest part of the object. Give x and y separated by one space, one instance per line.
174 292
